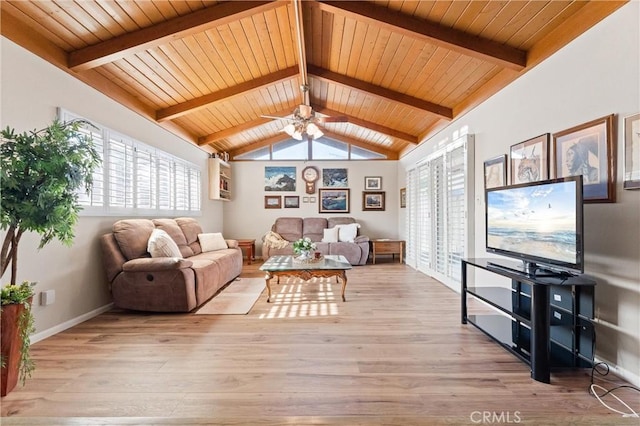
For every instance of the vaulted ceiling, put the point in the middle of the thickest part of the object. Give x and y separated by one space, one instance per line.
208 71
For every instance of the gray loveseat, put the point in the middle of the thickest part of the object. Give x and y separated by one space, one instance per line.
294 228
165 284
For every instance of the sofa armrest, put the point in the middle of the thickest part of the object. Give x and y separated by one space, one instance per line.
361 239
232 243
148 264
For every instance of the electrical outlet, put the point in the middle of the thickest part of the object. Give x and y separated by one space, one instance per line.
47 297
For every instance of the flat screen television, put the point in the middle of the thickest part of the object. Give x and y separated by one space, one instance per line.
539 223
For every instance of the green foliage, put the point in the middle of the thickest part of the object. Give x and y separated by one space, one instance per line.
15 294
40 175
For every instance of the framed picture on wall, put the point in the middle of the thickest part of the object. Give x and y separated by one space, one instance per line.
279 178
495 172
403 198
589 150
632 152
373 201
530 160
333 200
291 201
272 202
372 183
335 178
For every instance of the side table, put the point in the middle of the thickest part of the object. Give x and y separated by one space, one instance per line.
384 246
250 246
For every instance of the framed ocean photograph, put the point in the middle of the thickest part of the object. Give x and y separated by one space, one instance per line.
373 201
280 178
335 178
333 200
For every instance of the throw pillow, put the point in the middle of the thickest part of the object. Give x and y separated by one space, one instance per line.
212 241
348 233
330 235
160 244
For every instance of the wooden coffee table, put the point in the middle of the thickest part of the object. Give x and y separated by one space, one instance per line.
330 266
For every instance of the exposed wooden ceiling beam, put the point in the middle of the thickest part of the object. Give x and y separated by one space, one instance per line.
175 111
15 30
164 32
380 92
222 134
477 47
368 125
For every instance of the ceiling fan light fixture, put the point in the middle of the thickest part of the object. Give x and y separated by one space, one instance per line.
289 129
314 131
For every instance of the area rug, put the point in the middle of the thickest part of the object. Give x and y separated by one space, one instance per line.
236 299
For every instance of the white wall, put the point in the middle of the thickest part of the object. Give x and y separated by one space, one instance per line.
32 89
596 75
246 217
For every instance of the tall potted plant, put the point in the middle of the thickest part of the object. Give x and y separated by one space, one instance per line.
41 173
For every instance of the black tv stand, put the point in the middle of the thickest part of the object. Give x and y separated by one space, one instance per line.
548 321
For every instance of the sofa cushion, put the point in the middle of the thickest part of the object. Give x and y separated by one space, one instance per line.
290 228
160 244
132 236
171 227
330 235
313 227
212 241
190 228
347 233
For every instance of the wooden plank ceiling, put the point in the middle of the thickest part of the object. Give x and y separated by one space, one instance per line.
207 70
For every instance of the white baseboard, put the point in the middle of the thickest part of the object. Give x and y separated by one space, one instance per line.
629 376
68 324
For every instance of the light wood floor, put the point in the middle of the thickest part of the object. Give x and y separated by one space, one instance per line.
394 353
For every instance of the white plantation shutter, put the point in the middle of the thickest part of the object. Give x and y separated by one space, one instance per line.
95 197
120 170
146 182
438 230
135 178
166 190
411 224
195 189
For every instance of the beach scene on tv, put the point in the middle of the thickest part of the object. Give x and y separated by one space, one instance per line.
537 221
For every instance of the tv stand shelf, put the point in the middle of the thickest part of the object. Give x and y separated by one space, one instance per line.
546 321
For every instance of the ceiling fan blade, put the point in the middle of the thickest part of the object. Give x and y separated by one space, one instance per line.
338 119
277 118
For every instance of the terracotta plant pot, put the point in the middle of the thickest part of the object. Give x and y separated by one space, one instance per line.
10 346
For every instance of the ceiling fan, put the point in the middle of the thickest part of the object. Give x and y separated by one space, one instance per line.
304 120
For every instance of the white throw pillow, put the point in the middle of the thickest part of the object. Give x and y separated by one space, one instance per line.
348 233
330 235
212 241
160 244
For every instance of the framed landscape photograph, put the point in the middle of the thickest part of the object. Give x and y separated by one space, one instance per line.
372 183
495 172
373 201
333 200
335 178
589 150
632 152
272 202
530 160
291 201
279 178
403 198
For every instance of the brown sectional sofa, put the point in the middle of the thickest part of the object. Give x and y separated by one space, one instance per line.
294 228
165 284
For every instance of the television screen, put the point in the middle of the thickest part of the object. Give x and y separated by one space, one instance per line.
539 222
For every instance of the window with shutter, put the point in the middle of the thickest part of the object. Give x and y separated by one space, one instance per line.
439 196
135 178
